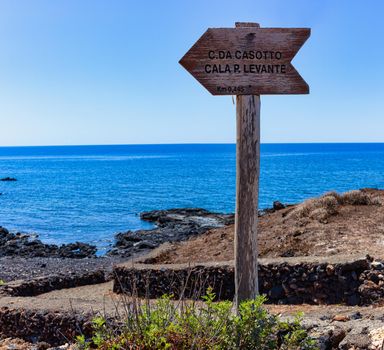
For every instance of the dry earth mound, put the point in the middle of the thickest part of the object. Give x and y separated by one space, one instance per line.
349 223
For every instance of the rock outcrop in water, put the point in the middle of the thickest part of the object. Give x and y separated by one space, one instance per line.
28 246
8 179
171 226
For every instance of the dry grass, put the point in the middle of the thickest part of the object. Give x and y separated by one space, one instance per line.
319 208
322 208
355 197
359 197
376 200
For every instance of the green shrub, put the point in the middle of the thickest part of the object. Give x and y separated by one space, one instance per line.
169 324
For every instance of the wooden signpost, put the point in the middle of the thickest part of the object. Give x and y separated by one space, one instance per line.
247 61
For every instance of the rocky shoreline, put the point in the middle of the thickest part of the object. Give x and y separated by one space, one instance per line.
26 257
172 225
29 246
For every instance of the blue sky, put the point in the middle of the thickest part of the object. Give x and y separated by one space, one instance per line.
107 72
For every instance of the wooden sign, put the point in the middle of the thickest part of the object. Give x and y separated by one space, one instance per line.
247 60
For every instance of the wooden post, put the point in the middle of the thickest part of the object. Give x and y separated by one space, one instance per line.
247 193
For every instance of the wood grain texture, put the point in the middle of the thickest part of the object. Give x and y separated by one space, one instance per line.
209 62
247 196
247 193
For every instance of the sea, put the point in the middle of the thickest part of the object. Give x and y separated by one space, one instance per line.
89 193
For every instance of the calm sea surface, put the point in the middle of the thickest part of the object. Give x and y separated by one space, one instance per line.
89 193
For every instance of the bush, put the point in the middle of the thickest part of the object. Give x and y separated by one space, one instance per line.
319 214
167 324
377 200
358 197
328 204
355 197
319 208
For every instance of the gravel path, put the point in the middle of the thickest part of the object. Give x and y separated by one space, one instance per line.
15 268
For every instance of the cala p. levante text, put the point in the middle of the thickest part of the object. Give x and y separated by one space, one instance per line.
258 62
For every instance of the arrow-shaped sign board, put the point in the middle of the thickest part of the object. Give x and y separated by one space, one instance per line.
247 60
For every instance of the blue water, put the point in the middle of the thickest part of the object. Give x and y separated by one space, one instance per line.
89 193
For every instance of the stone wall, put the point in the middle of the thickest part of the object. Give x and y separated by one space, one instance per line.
330 281
154 281
312 283
46 284
54 328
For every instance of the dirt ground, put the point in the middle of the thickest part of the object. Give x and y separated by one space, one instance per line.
333 224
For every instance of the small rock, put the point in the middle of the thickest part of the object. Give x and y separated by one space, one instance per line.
355 341
337 336
377 265
278 205
324 318
145 245
277 292
330 269
377 337
340 318
297 233
323 341
288 253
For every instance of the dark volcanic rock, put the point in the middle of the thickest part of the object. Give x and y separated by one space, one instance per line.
278 205
52 327
171 225
28 246
284 282
371 288
355 341
77 250
48 283
187 216
189 282
8 179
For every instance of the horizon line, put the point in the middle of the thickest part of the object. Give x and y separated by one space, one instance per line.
191 144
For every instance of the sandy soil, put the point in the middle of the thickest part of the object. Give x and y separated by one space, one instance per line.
314 228
97 298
